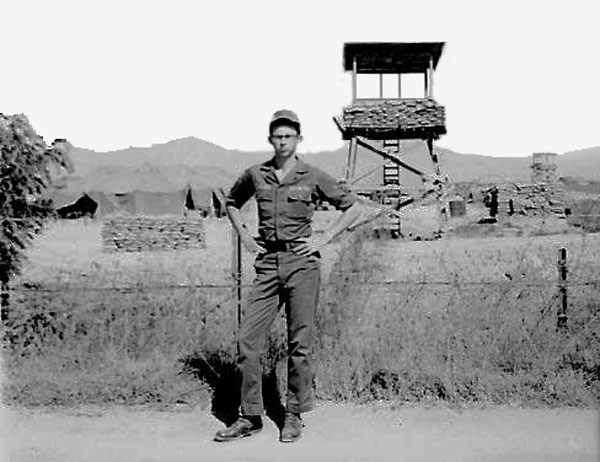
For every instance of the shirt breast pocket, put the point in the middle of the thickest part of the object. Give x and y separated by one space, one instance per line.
265 203
300 203
264 195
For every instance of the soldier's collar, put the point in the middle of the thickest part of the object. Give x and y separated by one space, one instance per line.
299 167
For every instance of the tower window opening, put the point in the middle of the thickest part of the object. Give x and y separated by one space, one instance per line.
367 86
412 85
390 86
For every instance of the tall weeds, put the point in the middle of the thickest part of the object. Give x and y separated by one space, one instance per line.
453 342
437 337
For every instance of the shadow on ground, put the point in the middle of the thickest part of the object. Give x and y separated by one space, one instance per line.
225 379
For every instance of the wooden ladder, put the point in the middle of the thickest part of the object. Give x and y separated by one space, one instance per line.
391 181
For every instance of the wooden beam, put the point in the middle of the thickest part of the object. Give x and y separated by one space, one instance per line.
354 78
434 156
354 148
339 125
363 175
387 156
430 72
410 200
349 161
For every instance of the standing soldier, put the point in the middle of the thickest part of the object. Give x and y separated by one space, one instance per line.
287 269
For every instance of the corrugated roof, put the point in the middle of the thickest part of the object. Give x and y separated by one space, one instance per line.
392 57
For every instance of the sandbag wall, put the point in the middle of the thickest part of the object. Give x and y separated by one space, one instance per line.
140 234
531 199
395 116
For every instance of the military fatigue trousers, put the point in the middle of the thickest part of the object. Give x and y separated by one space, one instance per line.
282 278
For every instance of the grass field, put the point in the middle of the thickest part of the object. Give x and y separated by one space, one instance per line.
455 320
70 252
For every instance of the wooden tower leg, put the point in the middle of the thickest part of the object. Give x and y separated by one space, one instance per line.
434 156
354 155
442 213
347 174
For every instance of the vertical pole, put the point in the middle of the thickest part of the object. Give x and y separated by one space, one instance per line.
380 86
354 149
354 82
351 165
4 301
236 272
399 85
430 79
561 321
442 210
238 249
434 156
349 160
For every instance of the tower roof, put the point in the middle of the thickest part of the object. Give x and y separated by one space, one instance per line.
392 57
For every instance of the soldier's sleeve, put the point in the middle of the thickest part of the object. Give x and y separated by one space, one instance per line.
241 191
331 191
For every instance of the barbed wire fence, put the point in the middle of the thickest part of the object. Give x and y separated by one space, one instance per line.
227 297
562 284
46 311
200 320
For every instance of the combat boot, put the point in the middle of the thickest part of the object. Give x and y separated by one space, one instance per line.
292 428
243 426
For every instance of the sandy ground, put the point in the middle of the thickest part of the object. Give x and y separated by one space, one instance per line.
333 433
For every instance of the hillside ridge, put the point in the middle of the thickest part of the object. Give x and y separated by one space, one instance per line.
203 164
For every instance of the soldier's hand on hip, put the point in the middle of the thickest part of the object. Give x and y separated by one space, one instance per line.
252 246
310 247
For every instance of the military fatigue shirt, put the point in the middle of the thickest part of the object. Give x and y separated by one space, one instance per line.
285 208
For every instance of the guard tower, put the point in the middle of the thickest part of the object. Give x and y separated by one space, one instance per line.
380 123
544 168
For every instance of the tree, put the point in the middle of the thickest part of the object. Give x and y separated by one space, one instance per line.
27 167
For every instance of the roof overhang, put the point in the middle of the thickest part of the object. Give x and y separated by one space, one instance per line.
392 57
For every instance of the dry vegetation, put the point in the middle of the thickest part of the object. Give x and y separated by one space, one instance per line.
464 321
457 320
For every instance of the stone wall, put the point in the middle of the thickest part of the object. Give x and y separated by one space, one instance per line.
139 234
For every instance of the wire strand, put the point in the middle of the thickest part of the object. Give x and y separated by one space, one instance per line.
139 288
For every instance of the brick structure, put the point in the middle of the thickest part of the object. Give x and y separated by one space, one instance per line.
140 234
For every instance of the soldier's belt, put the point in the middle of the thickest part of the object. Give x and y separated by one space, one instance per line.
280 246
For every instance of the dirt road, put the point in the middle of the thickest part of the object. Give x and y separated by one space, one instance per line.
333 433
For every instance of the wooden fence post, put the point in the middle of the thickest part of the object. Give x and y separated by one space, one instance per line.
3 302
236 263
561 321
236 271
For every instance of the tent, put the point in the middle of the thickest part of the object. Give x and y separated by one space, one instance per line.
83 206
100 204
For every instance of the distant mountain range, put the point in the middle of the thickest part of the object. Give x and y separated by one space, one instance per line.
175 164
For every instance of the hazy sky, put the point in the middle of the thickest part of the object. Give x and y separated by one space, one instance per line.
515 77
